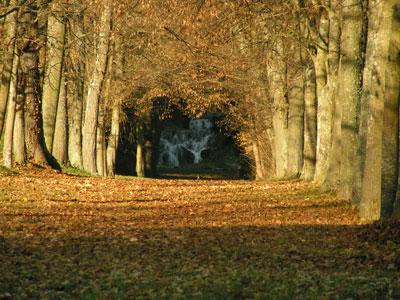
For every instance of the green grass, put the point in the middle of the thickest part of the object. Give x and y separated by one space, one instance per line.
7 172
75 171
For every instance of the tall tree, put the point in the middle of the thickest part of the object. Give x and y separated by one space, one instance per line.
75 89
351 64
324 110
296 119
379 32
310 123
10 25
53 71
280 115
113 140
30 70
60 140
9 125
94 90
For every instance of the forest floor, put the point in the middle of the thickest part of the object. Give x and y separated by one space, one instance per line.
64 236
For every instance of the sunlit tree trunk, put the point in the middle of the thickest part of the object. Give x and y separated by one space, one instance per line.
280 114
324 110
113 140
391 117
259 172
140 151
30 69
349 95
296 123
330 174
310 124
60 142
100 144
75 93
53 72
94 91
379 29
19 126
10 27
9 124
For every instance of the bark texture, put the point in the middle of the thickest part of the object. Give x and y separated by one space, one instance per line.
379 28
9 124
60 141
75 93
324 110
10 25
296 125
349 94
19 126
280 114
113 140
53 73
94 92
310 125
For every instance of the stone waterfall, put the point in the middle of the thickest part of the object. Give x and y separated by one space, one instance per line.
179 146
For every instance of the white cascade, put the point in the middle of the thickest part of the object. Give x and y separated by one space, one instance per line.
195 140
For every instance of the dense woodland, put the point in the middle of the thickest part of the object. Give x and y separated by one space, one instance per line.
310 88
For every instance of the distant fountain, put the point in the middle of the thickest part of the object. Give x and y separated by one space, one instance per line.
176 145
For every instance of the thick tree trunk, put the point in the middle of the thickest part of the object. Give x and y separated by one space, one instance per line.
329 174
324 110
390 155
33 122
390 148
280 114
60 142
94 91
9 41
349 93
379 29
53 73
296 126
9 124
19 126
75 93
310 125
113 140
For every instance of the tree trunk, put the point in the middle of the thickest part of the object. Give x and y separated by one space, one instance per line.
94 91
113 140
53 73
379 29
329 174
140 158
100 144
9 41
349 93
258 162
310 125
390 155
9 124
324 110
296 125
392 89
30 68
280 115
75 93
19 126
60 143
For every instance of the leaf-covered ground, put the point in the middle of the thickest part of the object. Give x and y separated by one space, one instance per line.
92 238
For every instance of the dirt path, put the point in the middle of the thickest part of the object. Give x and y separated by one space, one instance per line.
64 236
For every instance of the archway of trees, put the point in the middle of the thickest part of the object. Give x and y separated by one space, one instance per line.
311 88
